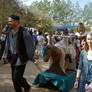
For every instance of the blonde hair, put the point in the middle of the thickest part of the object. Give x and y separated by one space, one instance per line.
90 33
86 47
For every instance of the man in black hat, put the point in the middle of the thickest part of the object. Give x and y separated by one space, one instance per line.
19 49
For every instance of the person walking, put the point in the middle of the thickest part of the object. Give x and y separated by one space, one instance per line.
3 41
19 48
40 44
84 72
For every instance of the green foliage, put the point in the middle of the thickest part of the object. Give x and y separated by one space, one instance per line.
7 7
65 12
44 14
31 17
42 5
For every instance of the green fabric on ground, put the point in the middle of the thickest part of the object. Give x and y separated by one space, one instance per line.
64 83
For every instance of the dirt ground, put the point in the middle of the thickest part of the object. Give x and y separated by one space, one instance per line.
30 73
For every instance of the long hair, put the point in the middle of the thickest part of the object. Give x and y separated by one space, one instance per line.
87 47
90 33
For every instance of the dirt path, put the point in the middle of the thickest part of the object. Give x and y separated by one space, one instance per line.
30 73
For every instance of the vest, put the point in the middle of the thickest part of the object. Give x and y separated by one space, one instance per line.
21 49
22 54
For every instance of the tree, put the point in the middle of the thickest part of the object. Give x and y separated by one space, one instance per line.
77 13
59 10
42 5
7 8
87 14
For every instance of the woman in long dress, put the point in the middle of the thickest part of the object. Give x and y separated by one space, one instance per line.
84 72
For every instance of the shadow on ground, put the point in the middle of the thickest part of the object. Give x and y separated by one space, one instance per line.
30 74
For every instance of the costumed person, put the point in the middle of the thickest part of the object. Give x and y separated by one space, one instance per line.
71 64
61 44
84 71
81 35
35 38
66 36
3 40
45 41
19 48
40 44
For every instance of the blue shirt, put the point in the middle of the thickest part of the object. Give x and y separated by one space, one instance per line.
35 36
86 66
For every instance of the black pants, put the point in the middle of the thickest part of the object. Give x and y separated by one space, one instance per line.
2 48
17 78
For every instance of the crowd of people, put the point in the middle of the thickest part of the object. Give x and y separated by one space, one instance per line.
73 52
